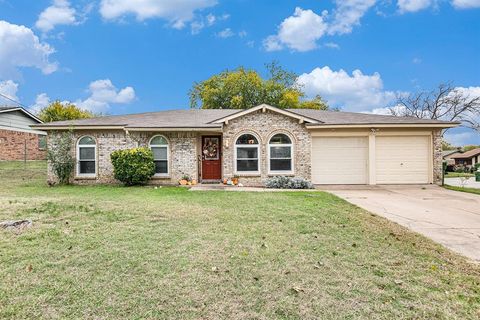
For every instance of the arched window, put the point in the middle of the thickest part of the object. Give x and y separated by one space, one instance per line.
246 154
280 150
159 146
87 156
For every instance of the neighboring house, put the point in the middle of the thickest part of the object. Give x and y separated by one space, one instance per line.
468 158
18 141
448 155
326 147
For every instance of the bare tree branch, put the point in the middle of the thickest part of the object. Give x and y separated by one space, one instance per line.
446 102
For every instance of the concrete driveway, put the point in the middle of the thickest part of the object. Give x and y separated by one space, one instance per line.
451 218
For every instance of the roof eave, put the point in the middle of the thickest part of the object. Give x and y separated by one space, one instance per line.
383 125
164 129
76 127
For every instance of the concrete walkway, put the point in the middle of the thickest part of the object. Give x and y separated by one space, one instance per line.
457 182
448 217
222 187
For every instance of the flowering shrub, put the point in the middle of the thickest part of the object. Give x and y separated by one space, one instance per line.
60 156
282 182
133 166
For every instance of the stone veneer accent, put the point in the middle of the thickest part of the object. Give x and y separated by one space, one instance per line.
264 125
19 145
437 156
183 150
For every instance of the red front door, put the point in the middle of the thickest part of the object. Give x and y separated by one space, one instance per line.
211 158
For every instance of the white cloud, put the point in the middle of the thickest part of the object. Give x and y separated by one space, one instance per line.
299 32
177 12
201 22
20 47
226 33
466 4
471 92
332 45
59 13
356 92
41 102
348 14
9 89
103 93
413 5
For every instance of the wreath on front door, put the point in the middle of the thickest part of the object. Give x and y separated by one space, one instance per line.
210 149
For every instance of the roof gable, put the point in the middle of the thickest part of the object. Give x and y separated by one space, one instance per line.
25 112
263 108
468 154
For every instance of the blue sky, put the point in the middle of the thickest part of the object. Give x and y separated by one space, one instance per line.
126 56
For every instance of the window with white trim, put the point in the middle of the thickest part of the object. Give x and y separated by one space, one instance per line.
280 154
159 147
246 154
87 156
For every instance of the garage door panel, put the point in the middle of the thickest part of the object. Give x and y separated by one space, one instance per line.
402 160
339 160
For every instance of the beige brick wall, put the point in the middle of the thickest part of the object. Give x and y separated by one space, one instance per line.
183 159
264 126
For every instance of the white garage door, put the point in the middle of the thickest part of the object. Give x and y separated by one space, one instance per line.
402 159
339 160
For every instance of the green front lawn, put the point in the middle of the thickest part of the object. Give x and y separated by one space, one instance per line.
458 174
112 252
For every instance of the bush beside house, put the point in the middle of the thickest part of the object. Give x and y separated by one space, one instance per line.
133 166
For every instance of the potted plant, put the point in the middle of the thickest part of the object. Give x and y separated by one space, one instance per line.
235 180
184 181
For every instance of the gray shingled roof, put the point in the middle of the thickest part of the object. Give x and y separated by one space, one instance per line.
193 118
467 154
340 117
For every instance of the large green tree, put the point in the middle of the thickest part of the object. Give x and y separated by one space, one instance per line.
58 111
245 88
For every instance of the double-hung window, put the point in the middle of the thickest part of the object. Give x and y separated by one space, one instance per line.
247 154
86 156
159 147
280 152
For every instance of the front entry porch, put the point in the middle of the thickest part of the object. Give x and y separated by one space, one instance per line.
210 168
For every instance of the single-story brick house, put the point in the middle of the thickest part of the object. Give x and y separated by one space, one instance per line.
325 147
18 141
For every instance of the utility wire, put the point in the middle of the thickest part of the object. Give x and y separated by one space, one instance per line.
12 100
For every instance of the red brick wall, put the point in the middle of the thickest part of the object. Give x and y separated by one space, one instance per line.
12 146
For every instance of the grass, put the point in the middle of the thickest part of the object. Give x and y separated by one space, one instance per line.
98 252
462 189
458 174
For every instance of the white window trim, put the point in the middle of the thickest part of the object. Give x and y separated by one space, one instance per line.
94 146
292 156
167 174
257 146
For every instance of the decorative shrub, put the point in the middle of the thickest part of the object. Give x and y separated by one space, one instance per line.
460 169
60 156
282 182
477 166
133 166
